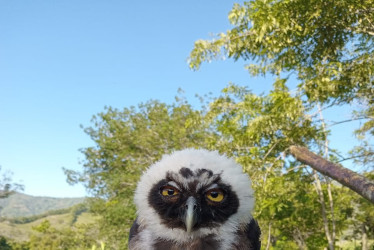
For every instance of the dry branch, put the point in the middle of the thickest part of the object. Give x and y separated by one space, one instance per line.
344 176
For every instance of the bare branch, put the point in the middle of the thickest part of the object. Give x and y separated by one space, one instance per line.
346 177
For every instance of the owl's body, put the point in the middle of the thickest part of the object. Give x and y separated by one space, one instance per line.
194 199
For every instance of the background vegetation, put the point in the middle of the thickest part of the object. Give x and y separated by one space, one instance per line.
22 205
326 48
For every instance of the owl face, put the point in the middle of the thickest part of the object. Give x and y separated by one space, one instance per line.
192 199
191 194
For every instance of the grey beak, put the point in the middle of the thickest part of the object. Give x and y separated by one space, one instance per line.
190 218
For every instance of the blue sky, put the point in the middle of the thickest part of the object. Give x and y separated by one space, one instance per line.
62 61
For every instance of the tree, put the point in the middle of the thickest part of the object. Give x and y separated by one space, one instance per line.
47 237
257 131
7 187
329 46
128 141
4 244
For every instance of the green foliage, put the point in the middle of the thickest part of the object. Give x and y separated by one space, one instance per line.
4 244
272 122
77 210
48 237
19 245
364 154
75 236
329 45
257 131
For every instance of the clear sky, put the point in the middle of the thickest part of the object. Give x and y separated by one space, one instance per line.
62 61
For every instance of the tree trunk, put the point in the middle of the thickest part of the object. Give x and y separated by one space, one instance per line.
364 238
328 181
344 176
331 202
323 210
269 237
298 237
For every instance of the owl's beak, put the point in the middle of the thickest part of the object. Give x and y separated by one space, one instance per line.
190 218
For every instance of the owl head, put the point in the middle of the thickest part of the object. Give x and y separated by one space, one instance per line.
194 193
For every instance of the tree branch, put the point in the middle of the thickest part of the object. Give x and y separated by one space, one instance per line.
356 156
344 176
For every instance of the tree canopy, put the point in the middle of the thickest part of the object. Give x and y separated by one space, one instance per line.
7 187
329 46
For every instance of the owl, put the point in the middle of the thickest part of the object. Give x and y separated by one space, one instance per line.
194 199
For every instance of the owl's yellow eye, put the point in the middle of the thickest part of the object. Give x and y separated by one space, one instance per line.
215 195
169 191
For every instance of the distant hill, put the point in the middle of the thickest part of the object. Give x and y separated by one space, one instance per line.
22 232
22 205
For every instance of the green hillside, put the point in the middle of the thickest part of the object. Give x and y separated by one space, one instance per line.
22 232
28 222
22 205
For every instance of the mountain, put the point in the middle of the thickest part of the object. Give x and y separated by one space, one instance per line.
22 205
